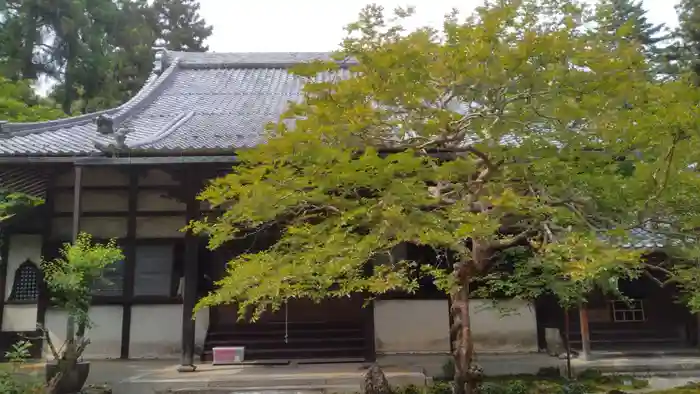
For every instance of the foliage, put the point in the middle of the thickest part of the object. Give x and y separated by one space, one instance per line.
690 388
530 384
627 20
13 380
70 278
12 203
555 113
99 51
514 135
179 26
19 103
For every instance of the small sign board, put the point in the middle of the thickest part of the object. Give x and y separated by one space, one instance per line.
227 355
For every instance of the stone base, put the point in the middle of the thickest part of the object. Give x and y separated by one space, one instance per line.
186 368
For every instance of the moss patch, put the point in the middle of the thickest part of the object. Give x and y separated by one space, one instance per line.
586 383
692 388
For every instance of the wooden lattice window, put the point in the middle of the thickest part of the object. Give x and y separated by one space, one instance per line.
628 311
25 286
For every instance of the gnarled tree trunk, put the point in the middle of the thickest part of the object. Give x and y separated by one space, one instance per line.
467 376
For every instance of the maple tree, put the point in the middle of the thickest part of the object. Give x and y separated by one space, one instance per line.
513 130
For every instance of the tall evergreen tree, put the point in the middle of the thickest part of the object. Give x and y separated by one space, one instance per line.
685 53
627 20
23 50
99 51
179 26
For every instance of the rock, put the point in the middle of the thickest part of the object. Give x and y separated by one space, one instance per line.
555 344
375 381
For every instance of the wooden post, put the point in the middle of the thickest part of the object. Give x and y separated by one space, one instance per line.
129 263
77 207
368 319
4 253
77 202
191 272
585 333
47 210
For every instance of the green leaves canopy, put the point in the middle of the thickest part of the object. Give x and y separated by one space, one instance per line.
515 128
70 277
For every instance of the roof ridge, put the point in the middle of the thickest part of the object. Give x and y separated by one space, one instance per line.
262 60
164 132
121 112
145 96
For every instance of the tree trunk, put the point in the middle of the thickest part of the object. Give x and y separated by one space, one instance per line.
465 379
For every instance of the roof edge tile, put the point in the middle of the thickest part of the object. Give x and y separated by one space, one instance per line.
120 113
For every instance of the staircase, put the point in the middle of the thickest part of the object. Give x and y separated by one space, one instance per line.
305 340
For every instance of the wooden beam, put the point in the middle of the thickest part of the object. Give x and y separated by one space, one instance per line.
585 332
149 161
191 278
129 263
217 157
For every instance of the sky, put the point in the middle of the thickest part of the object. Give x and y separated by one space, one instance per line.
317 25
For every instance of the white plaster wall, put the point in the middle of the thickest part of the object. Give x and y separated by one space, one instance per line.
156 331
95 176
105 334
509 326
99 227
93 200
20 317
160 227
422 326
155 200
156 177
411 326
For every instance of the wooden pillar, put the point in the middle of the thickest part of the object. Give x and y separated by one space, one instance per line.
129 263
48 212
368 320
585 333
77 207
77 202
191 278
4 253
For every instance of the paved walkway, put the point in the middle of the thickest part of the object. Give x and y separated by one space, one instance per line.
141 377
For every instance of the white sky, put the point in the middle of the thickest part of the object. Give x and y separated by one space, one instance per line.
317 25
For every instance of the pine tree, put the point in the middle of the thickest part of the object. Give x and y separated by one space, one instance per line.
179 26
685 53
627 20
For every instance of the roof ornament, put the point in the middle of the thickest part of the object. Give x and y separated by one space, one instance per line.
158 60
105 127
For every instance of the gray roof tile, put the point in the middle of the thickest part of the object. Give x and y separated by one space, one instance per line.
201 101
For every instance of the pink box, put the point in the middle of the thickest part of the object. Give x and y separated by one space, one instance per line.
228 355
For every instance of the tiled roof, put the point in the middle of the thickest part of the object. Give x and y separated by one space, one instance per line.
200 102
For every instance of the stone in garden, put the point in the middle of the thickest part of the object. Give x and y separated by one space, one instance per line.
375 381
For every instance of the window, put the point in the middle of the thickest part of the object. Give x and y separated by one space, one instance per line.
111 284
25 286
154 274
626 312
